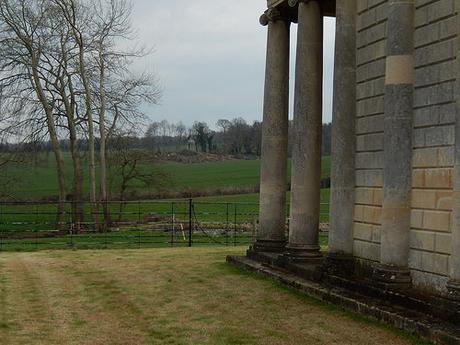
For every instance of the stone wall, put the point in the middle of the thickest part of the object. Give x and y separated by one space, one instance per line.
436 33
371 31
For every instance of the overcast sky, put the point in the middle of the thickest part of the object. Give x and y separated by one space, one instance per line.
210 58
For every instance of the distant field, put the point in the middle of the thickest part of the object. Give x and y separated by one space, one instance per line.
254 199
221 174
36 181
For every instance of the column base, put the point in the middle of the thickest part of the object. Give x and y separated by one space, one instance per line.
266 251
392 277
453 290
339 264
302 253
305 261
268 246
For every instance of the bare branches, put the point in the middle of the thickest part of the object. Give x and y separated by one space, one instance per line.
65 72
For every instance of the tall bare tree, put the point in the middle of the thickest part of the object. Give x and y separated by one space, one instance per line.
77 16
64 73
118 93
25 64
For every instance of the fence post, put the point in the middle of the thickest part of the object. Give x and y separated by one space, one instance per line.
35 226
71 225
226 229
190 221
2 225
172 224
234 227
137 224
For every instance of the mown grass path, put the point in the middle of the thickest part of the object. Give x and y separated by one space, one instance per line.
162 296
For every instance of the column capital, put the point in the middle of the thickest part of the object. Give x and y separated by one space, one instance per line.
293 3
273 14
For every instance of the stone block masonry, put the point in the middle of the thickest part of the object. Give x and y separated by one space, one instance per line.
371 36
436 72
395 165
435 36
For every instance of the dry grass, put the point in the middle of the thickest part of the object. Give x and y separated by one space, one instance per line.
161 296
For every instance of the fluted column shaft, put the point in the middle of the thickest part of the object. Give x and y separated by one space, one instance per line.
273 171
397 170
306 155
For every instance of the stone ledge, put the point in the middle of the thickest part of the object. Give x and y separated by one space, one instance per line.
432 329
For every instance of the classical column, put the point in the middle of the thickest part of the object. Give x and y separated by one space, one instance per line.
453 286
397 170
273 172
340 254
306 155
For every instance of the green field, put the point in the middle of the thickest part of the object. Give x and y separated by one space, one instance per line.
242 208
33 226
219 220
39 180
253 198
240 173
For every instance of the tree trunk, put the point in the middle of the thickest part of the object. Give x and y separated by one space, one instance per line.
89 117
69 106
61 218
77 189
102 149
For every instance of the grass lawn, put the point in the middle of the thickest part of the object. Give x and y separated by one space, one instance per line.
163 296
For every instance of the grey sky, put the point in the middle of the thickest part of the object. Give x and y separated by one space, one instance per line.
210 57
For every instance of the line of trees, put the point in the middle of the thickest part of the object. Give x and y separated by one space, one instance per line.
232 136
65 72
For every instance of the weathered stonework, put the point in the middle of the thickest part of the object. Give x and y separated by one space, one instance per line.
436 32
395 180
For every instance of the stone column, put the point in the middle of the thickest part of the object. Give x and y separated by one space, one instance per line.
273 172
397 170
306 155
340 255
453 286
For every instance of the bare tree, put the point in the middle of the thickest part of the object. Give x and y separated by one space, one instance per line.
78 18
63 73
128 167
181 131
27 71
151 135
119 92
201 132
112 22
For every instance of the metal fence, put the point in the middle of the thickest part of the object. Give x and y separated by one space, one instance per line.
130 224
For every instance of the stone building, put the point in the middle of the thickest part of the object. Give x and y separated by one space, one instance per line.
395 193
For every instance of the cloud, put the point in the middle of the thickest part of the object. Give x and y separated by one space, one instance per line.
209 56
